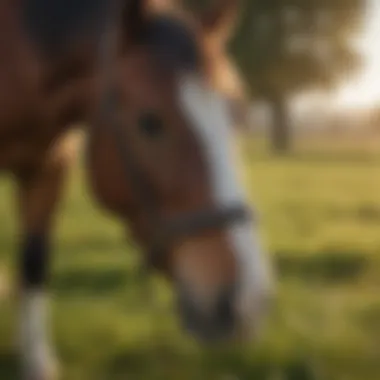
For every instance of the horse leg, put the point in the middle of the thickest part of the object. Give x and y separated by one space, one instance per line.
39 194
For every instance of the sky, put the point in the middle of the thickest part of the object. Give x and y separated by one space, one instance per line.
364 90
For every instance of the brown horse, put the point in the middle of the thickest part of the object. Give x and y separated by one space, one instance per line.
158 152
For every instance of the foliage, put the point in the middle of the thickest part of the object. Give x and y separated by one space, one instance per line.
285 46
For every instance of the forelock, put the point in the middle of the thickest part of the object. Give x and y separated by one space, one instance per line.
173 42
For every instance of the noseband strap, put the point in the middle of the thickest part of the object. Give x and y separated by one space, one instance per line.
186 225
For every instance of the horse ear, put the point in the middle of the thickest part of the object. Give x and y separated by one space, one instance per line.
136 14
220 20
134 19
161 5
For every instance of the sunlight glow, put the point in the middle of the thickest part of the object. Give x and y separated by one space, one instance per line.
364 90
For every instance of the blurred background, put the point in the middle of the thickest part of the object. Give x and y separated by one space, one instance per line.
310 73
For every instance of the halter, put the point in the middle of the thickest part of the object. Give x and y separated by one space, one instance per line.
163 232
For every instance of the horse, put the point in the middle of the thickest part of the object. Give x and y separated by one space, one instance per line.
140 75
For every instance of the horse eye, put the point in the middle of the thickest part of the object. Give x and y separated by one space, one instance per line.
151 125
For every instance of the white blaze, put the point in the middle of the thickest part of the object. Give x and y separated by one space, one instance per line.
210 118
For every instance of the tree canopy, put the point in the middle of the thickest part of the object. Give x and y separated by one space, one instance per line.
291 45
283 47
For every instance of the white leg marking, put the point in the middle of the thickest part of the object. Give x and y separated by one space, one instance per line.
211 121
36 353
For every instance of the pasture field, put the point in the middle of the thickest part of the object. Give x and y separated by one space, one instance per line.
320 217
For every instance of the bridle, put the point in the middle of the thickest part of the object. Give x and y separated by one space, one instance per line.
163 232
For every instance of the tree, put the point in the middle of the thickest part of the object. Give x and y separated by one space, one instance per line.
284 47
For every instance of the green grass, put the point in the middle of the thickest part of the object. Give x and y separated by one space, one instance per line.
320 216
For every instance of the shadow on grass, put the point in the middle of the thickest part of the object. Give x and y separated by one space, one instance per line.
93 281
9 366
161 362
329 266
364 213
92 243
6 246
334 157
316 157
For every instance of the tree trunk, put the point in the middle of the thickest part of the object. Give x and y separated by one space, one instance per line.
281 133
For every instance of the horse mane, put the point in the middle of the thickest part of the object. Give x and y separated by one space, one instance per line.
54 24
